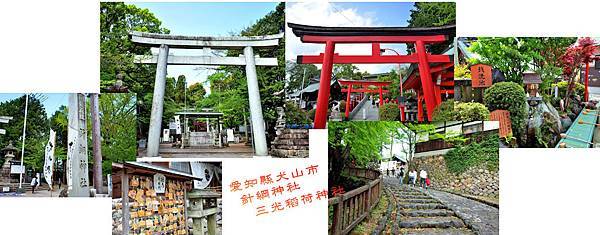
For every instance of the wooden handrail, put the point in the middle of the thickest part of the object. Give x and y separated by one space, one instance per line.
352 207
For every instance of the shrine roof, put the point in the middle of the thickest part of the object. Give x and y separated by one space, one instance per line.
302 30
147 168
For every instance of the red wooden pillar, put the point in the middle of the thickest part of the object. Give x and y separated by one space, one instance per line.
380 96
419 107
401 112
426 82
438 94
348 101
324 86
587 70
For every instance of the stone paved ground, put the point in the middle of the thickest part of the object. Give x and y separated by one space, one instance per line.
367 112
482 218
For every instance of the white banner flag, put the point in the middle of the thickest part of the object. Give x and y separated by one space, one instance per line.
49 158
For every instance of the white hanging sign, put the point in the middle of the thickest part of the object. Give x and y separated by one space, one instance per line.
160 182
177 125
49 158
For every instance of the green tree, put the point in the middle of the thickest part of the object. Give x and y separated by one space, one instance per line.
117 19
347 72
36 132
432 14
118 128
299 72
513 56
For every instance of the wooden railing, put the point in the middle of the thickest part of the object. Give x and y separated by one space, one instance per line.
352 207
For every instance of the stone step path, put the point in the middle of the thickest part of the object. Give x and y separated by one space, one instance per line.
419 213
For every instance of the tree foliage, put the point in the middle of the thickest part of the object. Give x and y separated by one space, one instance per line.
431 14
118 128
572 59
516 55
36 132
117 19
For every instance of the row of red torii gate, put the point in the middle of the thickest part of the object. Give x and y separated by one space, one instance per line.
432 78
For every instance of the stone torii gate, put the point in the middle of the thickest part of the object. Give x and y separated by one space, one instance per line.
165 41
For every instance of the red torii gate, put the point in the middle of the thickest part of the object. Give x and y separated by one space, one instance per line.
374 36
364 84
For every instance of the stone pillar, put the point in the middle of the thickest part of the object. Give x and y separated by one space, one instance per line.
96 144
258 128
157 102
77 147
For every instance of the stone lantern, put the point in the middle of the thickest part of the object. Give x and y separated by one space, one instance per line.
9 153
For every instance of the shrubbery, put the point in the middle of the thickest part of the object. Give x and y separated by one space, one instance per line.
457 111
463 157
577 89
508 96
295 115
389 112
471 111
444 112
342 106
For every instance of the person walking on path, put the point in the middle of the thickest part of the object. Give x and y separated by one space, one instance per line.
387 173
393 171
34 183
401 175
423 176
411 177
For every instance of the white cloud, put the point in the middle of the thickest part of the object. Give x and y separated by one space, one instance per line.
332 15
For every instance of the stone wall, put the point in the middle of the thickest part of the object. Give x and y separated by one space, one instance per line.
290 143
477 181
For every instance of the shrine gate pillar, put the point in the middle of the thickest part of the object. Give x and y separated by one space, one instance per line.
348 101
258 125
427 84
323 97
154 131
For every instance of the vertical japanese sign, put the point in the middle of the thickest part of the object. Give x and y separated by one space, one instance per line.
159 183
49 158
481 75
77 147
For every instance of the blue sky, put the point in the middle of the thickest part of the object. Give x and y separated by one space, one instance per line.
351 14
204 19
51 101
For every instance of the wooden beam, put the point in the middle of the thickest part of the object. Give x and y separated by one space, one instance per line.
203 60
372 59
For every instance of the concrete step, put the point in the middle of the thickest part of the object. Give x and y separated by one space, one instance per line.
435 231
412 197
421 206
431 222
427 213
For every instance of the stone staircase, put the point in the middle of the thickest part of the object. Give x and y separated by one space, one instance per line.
419 213
26 186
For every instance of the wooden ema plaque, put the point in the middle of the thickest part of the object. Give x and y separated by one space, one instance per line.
481 75
503 117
